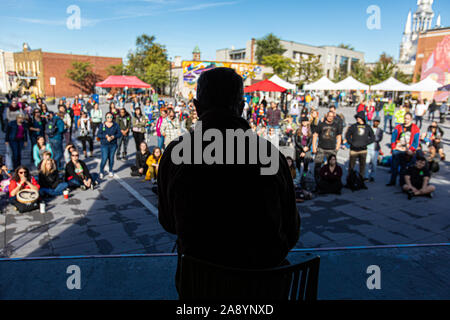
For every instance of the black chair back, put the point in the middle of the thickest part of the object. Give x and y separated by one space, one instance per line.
201 280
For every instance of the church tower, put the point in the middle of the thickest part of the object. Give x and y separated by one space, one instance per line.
421 21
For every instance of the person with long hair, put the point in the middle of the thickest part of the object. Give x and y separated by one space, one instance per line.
303 140
108 132
84 123
330 177
38 150
314 120
142 155
96 117
16 138
67 119
113 110
77 173
22 179
76 107
153 164
49 180
163 115
138 126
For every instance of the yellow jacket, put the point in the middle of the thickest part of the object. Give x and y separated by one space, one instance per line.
151 171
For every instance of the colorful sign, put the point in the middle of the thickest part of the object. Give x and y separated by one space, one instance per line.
193 69
438 66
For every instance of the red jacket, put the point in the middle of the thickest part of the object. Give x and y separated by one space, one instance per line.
13 184
413 141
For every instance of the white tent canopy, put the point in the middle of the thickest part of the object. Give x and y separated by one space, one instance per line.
277 80
390 84
351 83
426 85
322 84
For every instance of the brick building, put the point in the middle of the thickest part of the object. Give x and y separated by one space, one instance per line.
35 68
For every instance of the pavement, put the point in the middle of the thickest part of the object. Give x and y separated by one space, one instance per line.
120 216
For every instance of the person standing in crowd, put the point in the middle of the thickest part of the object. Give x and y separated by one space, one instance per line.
170 128
443 109
76 107
13 110
36 128
55 130
373 150
49 181
399 115
370 111
124 122
148 113
77 174
38 150
108 132
142 154
326 141
113 110
288 129
359 135
417 179
65 117
274 117
330 176
431 110
16 138
421 109
69 111
85 136
314 120
294 112
273 138
389 110
404 143
191 121
96 118
162 117
138 126
303 141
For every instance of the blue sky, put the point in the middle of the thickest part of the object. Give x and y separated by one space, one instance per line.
110 27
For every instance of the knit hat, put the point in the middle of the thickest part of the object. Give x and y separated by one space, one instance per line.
361 115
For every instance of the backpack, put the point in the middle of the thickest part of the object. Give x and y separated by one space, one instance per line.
355 181
307 182
51 128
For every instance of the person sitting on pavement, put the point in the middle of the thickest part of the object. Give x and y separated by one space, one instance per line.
330 177
77 174
22 179
141 166
153 164
38 150
49 180
417 179
68 151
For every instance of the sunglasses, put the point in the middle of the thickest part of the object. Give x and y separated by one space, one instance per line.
22 172
75 155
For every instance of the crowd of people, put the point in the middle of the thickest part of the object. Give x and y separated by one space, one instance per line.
316 141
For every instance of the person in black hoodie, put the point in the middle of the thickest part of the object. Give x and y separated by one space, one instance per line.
78 175
359 135
211 207
140 169
49 180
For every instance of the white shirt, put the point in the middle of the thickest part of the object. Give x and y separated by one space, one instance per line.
421 109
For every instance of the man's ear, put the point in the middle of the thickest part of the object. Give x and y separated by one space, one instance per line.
198 107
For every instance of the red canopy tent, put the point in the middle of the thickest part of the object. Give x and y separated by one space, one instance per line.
265 85
122 82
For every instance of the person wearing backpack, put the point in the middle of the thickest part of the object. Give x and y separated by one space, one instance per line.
54 129
359 136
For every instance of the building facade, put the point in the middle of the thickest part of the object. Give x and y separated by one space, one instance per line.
420 21
332 58
7 74
44 73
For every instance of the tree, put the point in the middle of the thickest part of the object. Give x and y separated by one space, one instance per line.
149 62
383 70
403 77
281 66
83 76
309 69
339 74
267 46
360 72
117 70
346 46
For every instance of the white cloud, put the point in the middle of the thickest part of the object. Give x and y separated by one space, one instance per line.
202 6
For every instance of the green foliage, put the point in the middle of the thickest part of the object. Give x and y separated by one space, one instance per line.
117 70
149 62
346 46
339 74
281 66
83 77
360 72
309 69
402 77
383 70
267 46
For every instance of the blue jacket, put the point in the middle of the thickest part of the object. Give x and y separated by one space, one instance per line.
36 157
61 128
11 131
40 125
103 131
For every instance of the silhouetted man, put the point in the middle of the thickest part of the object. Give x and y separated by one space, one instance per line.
229 214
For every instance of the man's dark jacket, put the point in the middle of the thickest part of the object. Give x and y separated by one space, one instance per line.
228 214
